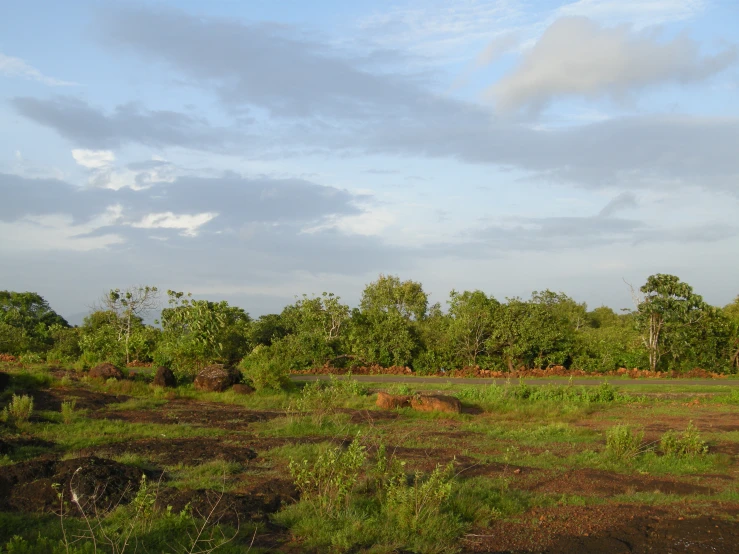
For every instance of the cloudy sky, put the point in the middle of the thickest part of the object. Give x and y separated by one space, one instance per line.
252 151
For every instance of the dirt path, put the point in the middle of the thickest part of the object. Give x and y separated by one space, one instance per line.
588 382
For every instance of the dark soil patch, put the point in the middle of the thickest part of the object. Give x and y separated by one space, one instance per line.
189 452
594 482
202 414
614 529
11 445
98 483
232 508
51 399
371 416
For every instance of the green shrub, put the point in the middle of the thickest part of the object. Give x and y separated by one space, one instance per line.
328 483
19 410
623 442
265 371
687 443
31 358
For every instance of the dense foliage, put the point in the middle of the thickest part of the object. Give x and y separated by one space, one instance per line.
671 329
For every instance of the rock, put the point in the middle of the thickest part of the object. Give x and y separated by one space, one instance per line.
106 371
238 388
4 381
214 379
164 377
390 401
436 403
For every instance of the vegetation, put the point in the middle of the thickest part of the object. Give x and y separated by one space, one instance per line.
671 329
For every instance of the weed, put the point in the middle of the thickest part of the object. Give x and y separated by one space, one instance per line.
19 410
687 443
623 442
68 413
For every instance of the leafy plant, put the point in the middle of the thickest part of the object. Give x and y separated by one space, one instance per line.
687 443
19 410
623 442
327 484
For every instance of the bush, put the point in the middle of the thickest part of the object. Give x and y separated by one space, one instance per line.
265 371
623 443
687 443
28 358
327 484
19 410
68 413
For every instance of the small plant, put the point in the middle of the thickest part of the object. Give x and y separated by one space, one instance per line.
623 442
687 443
327 484
401 390
68 413
19 410
28 358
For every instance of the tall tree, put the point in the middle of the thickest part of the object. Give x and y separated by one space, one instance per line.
130 306
668 307
25 320
389 293
472 316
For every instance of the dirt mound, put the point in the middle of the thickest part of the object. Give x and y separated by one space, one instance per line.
85 399
8 358
255 505
391 401
201 414
105 371
214 379
240 388
436 403
164 377
189 452
97 483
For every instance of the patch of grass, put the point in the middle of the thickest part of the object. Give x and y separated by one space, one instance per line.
216 474
685 444
297 425
68 412
623 442
18 411
86 433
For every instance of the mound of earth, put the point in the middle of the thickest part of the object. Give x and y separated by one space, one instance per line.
164 377
106 371
239 388
391 401
188 452
214 378
98 484
231 508
436 403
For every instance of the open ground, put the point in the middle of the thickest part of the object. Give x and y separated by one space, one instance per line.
533 467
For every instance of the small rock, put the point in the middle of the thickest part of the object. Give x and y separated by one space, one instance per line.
106 371
436 403
214 378
390 401
239 388
164 377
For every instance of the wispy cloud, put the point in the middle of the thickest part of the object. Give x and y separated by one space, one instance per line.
16 67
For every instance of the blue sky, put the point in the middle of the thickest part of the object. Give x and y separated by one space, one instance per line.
257 150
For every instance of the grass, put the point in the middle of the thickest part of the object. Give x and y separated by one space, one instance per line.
547 430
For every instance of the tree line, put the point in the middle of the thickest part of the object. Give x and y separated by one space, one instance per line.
671 328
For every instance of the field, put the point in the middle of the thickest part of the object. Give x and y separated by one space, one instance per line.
123 466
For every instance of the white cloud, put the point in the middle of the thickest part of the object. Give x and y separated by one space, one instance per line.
187 223
576 56
16 67
368 223
93 159
51 232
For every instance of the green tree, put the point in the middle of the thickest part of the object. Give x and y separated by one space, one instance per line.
667 311
198 332
390 294
731 311
25 321
130 306
471 323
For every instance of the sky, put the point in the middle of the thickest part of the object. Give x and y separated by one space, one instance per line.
258 150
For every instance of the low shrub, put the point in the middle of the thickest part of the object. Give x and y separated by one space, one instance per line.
19 410
623 442
68 413
687 443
